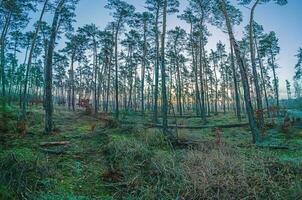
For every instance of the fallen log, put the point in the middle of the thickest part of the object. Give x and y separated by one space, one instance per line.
199 127
53 151
272 147
58 143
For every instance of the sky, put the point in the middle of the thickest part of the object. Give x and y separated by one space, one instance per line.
286 21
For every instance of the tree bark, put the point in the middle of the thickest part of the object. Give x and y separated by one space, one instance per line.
243 72
31 51
48 70
156 70
163 71
144 67
237 99
254 67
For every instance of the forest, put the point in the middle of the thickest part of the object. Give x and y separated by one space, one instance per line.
145 106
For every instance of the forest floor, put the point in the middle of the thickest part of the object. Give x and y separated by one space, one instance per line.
101 159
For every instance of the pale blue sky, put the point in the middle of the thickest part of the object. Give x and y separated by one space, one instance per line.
284 20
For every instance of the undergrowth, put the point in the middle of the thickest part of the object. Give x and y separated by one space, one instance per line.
144 166
128 161
22 173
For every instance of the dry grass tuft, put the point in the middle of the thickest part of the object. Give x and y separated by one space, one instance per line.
222 173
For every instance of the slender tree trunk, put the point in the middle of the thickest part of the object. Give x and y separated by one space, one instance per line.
276 85
116 71
216 86
48 70
143 68
194 63
244 77
31 51
108 87
179 94
237 98
201 81
72 93
262 78
2 53
163 71
156 70
254 67
96 72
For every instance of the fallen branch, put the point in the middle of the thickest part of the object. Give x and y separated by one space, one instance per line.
199 127
59 143
53 151
272 147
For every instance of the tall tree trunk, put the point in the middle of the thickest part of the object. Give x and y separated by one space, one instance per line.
116 70
72 92
31 51
96 72
179 94
163 71
2 52
243 72
276 84
108 87
262 78
254 68
237 98
203 115
48 70
216 86
156 70
144 67
194 63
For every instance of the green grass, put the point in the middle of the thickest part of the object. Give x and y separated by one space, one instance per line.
134 162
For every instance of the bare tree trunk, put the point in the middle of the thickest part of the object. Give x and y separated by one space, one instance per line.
31 51
116 71
2 52
156 70
163 71
143 68
244 77
254 69
263 79
237 99
276 85
48 70
96 72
